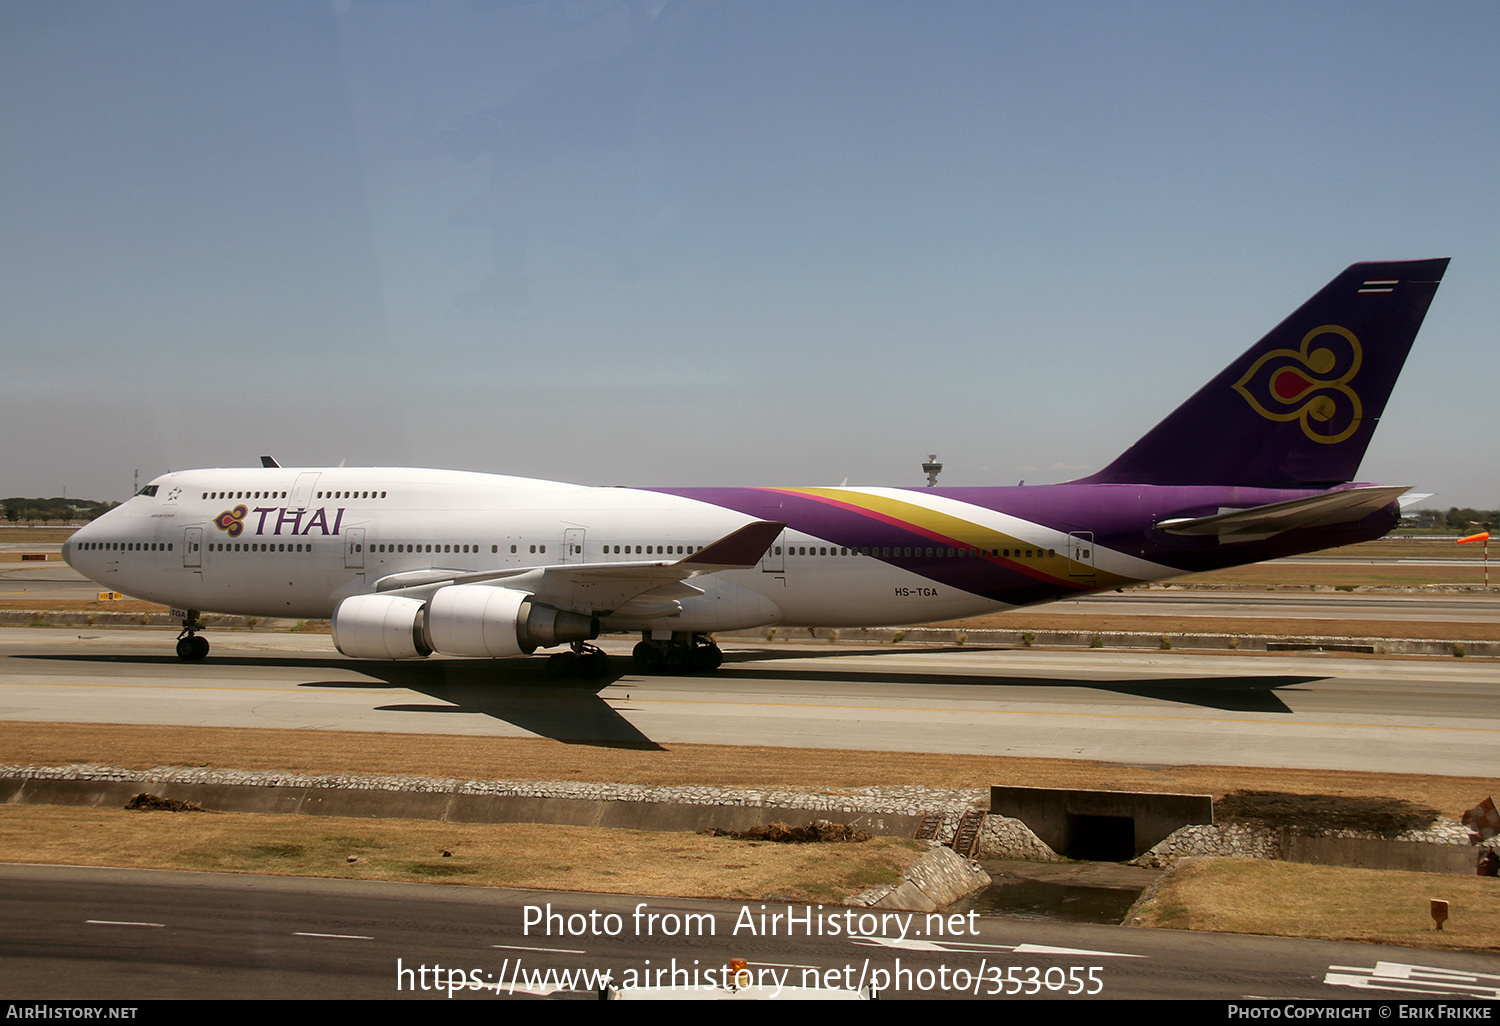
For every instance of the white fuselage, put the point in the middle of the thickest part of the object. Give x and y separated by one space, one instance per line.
295 542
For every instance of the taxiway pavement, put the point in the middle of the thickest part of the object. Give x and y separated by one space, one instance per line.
1308 711
79 933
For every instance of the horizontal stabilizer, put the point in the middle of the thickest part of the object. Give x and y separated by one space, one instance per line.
1341 507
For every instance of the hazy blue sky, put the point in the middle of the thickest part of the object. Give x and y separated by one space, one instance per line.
718 242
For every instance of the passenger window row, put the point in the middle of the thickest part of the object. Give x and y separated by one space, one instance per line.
914 551
541 549
260 547
282 495
125 546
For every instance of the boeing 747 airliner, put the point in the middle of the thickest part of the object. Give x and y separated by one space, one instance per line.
407 563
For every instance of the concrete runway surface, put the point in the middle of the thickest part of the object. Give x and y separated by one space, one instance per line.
1310 711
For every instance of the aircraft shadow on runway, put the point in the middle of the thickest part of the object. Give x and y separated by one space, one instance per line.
1229 694
518 691
573 711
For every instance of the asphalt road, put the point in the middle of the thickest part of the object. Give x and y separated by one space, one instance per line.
131 934
1312 711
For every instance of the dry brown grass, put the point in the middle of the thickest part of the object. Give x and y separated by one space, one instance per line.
1265 898
1285 899
1430 547
492 758
1088 623
1461 572
18 535
492 855
127 605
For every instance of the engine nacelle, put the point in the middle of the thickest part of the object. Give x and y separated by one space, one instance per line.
489 622
462 620
381 627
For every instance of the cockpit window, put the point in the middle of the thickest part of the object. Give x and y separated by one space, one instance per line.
148 490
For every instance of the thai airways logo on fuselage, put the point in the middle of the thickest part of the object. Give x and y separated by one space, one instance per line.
232 521
287 522
1310 385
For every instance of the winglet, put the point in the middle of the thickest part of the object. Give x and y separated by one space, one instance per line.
268 462
738 550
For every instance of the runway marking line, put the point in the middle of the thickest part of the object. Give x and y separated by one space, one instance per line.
613 702
1026 712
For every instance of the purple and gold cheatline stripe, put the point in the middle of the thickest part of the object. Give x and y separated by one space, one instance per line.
941 528
862 521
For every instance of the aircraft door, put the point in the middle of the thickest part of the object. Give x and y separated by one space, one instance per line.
774 561
572 550
354 549
192 546
1081 554
302 491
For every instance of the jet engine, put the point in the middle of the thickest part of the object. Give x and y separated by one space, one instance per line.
461 620
381 627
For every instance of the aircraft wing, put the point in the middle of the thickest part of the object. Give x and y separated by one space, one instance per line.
602 588
1257 522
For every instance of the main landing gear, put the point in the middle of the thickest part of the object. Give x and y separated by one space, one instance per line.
584 661
685 653
190 647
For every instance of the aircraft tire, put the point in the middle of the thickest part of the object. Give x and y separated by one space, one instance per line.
648 658
192 648
561 664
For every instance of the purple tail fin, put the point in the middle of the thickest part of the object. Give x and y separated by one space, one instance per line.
1299 407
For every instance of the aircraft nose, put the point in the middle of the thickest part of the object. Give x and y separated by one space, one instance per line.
74 544
69 547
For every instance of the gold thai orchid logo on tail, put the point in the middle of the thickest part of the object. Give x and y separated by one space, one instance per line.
1310 384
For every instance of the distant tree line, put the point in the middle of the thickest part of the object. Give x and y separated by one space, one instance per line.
1457 519
53 511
